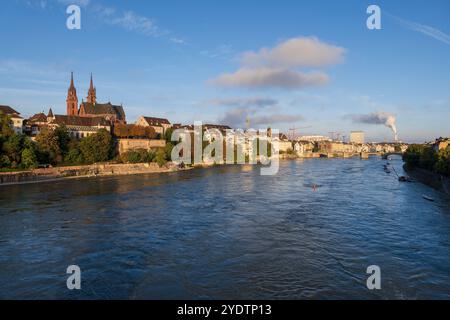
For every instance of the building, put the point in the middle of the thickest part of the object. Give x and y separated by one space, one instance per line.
34 124
78 127
357 137
315 138
16 119
159 124
336 147
303 147
108 111
92 109
441 144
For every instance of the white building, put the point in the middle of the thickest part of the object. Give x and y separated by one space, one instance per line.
315 138
357 137
16 119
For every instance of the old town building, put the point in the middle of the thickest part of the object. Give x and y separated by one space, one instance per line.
16 119
159 124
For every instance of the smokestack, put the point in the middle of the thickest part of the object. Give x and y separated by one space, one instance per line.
381 117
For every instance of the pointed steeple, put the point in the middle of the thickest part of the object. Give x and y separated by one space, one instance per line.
72 99
92 93
71 81
50 113
91 87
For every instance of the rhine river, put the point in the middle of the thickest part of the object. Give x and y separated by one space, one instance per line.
228 232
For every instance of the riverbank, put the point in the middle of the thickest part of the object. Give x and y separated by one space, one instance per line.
434 180
107 169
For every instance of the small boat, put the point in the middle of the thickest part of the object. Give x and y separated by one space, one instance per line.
427 197
404 179
387 171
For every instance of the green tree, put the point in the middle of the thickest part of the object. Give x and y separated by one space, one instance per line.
168 135
29 159
97 147
4 161
5 126
74 155
160 157
13 147
443 162
49 150
63 137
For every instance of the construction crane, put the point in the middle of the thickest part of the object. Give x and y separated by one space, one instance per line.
293 131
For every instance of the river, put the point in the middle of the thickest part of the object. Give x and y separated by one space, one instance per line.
228 233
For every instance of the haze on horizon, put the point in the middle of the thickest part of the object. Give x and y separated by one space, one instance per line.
309 64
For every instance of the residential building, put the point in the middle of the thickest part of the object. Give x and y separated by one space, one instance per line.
16 119
159 124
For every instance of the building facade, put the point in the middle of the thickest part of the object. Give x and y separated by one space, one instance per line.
16 119
159 124
357 137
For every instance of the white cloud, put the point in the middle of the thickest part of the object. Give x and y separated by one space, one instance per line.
244 102
296 52
277 67
223 50
271 78
237 118
424 29
81 3
131 21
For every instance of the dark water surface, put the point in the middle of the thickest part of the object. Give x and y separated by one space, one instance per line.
227 232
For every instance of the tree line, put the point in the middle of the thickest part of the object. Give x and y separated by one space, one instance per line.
55 146
425 157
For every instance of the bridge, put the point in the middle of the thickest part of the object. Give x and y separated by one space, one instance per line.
365 155
387 154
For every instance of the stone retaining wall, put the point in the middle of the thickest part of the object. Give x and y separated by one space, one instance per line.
106 169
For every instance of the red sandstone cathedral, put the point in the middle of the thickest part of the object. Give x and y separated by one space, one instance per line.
90 108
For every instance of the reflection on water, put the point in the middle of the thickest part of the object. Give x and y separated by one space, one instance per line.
227 232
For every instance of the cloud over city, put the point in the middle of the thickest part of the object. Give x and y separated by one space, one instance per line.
271 78
296 52
237 118
278 67
243 102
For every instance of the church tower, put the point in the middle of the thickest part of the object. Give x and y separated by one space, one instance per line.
72 99
92 93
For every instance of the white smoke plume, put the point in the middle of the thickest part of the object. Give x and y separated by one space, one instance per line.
381 117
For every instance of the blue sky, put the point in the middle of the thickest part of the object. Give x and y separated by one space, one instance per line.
204 60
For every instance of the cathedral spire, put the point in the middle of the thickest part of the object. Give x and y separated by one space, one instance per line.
92 93
71 81
92 84
72 99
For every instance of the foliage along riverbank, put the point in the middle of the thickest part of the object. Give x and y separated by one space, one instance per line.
429 166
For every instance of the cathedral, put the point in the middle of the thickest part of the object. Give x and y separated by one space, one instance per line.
90 108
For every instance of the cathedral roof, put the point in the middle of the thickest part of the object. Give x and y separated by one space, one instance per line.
104 108
80 121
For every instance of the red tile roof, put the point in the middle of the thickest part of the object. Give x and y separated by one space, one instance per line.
8 110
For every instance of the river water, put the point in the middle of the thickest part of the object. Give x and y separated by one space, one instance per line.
228 232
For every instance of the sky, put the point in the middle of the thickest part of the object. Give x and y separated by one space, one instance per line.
311 65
